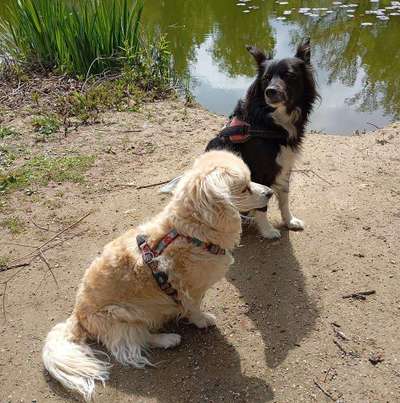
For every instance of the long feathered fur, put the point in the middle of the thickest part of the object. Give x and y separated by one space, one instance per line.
120 305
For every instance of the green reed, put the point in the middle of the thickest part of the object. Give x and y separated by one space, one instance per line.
78 38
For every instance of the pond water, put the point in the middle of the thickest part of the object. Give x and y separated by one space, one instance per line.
356 64
355 52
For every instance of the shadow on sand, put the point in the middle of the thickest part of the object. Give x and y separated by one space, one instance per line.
272 284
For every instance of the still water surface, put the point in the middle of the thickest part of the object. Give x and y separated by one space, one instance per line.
357 66
355 51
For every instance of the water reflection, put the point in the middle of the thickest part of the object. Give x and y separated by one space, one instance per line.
356 66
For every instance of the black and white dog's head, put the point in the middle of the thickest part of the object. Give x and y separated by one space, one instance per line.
286 82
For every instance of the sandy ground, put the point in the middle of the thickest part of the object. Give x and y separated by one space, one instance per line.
283 325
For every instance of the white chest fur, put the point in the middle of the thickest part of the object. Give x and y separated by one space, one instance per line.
286 120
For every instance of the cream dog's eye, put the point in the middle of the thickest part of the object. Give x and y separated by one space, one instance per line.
247 189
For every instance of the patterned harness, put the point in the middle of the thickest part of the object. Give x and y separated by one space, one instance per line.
149 256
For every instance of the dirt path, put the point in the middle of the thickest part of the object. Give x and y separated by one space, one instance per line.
282 301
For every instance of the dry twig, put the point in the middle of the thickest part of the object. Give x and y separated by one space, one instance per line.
38 252
40 227
15 266
340 347
41 255
374 125
360 294
340 334
153 184
324 391
306 171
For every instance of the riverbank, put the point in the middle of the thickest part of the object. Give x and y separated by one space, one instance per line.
284 331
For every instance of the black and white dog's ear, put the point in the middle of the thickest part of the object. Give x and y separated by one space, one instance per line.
171 185
258 55
304 51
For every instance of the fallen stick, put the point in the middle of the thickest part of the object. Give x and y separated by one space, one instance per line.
340 347
374 125
40 227
38 252
324 391
41 255
305 171
15 266
359 294
21 244
340 334
34 253
151 185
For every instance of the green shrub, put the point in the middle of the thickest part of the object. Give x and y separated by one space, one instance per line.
45 125
14 224
6 131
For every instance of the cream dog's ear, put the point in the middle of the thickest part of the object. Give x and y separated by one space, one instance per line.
211 198
171 185
206 199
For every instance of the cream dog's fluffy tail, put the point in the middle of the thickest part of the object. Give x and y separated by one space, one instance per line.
73 364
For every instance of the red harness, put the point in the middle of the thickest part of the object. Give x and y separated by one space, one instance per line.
237 131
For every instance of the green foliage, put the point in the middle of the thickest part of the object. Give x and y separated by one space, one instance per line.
148 74
6 131
78 38
45 125
41 170
86 39
6 156
14 224
119 95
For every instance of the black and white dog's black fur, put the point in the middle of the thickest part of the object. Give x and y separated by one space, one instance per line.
282 96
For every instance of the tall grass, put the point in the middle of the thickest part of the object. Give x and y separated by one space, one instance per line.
78 38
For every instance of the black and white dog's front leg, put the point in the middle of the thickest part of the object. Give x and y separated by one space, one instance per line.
267 230
282 191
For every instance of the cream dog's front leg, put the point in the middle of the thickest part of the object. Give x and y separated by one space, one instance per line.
196 316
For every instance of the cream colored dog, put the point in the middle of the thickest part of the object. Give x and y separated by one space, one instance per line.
119 302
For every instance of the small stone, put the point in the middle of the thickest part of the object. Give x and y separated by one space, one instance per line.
375 358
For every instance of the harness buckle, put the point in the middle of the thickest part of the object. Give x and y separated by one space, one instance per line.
161 278
148 256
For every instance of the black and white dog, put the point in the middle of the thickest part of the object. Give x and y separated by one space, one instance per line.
277 106
267 127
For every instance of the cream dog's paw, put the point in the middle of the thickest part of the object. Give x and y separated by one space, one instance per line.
203 320
165 340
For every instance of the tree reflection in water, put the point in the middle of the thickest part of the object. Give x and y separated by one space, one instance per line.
366 59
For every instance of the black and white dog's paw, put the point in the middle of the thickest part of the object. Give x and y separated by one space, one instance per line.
265 228
295 224
270 233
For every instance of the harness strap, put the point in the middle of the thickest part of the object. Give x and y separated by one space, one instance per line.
237 131
149 255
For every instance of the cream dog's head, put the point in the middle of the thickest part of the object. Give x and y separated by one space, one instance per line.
208 198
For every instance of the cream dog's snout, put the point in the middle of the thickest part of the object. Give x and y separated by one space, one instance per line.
262 193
